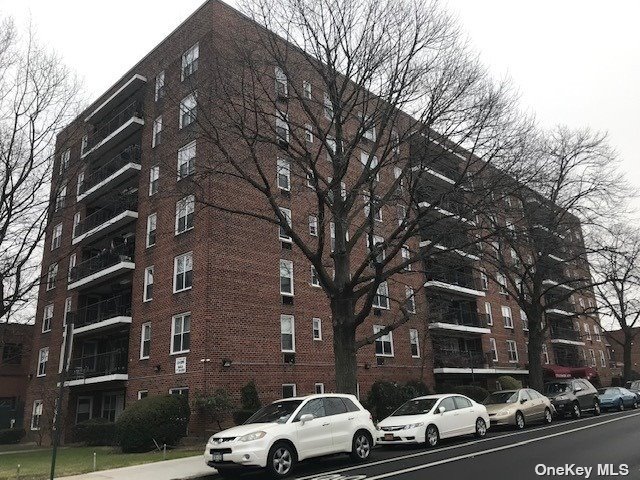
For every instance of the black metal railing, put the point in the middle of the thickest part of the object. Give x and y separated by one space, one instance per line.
448 204
452 277
106 128
105 259
128 155
458 242
108 363
97 312
560 333
467 318
559 304
105 214
461 359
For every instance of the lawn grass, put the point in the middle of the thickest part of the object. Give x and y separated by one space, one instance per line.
75 460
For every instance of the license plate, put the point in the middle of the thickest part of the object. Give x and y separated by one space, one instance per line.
388 436
217 457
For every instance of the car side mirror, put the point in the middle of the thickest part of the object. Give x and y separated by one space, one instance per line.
307 417
441 409
577 389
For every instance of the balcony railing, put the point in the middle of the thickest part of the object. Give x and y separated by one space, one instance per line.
105 214
468 359
106 128
457 242
101 261
131 154
467 318
452 277
119 306
102 364
560 333
560 305
447 204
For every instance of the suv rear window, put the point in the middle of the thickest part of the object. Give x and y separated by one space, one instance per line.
351 407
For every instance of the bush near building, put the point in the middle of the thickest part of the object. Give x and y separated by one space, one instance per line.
250 401
95 432
507 382
385 397
11 435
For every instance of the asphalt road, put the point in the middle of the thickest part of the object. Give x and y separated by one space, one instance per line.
611 441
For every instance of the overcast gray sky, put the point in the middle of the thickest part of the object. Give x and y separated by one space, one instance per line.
576 62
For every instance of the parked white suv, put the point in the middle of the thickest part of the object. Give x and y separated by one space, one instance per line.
285 432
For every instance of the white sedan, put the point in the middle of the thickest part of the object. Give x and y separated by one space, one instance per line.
430 418
279 435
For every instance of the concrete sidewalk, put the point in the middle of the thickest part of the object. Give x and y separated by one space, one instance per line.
179 468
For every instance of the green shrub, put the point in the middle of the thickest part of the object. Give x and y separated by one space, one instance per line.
215 407
507 382
11 435
160 418
95 432
250 403
474 392
384 397
241 416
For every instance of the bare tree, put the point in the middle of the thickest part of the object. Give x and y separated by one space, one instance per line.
38 96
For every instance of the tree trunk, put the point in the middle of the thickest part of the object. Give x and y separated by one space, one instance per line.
536 376
344 347
626 358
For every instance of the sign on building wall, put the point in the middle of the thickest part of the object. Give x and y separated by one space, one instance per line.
181 364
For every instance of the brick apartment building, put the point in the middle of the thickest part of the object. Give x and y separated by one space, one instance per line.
15 359
616 340
167 297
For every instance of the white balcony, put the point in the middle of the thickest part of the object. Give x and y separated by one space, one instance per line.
124 92
103 275
130 126
558 312
470 256
106 324
564 341
552 283
110 225
452 289
126 172
445 213
455 328
480 371
115 377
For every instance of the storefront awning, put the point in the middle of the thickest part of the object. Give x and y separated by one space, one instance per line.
557 371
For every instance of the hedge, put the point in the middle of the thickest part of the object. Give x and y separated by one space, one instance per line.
507 382
95 432
11 435
385 397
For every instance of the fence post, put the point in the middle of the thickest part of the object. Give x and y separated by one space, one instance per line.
18 471
164 451
95 463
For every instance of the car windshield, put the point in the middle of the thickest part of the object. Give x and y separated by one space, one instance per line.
278 412
415 407
556 387
635 385
501 397
604 391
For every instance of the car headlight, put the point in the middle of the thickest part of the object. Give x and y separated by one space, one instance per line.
502 412
211 439
249 437
412 425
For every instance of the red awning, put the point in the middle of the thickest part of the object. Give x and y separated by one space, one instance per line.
557 371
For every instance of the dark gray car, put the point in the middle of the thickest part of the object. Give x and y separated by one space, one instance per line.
573 396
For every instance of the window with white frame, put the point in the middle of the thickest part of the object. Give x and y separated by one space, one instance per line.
84 144
395 142
545 354
587 331
311 180
384 343
603 360
316 328
331 148
76 222
372 161
368 127
328 107
592 357
381 298
371 201
143 394
525 320
306 89
581 302
406 256
378 243
52 275
43 358
414 342
512 350
315 281
72 265
60 198
502 283
159 90
282 127
308 133
187 160
180 333
145 341
282 233
148 284
282 87
484 281
36 414
506 316
64 161
401 212
313 225
596 333
288 390
185 209
183 272
318 388
190 61
493 349
47 316
56 238
188 110
154 176
488 312
284 174
410 302
286 277
152 221
79 183
156 136
287 333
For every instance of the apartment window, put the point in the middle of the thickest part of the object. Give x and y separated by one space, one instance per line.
84 144
395 142
525 320
371 201
46 318
493 349
143 394
286 213
308 133
36 415
76 222
545 354
52 274
79 183
384 344
512 349
60 199
282 88
152 221
315 281
190 61
603 360
406 256
145 341
587 331
180 333
331 148
64 161
282 127
372 160
185 209
188 111
596 333
369 128
381 298
43 358
317 328
286 277
401 212
284 174
148 283
160 91
311 180
487 311
183 272
319 388
484 281
187 160
179 391
502 283
506 316
414 342
288 390
328 107
378 243
287 333
154 176
313 225
581 302
56 238
306 89
156 137
592 356
67 309
410 302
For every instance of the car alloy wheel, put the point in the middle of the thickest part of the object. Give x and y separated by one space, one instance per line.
361 448
481 428
432 436
519 420
548 418
596 408
282 460
576 410
635 404
621 406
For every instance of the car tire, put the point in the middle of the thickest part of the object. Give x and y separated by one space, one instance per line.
361 446
575 410
548 417
520 423
431 436
596 409
621 406
635 404
281 460
481 428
